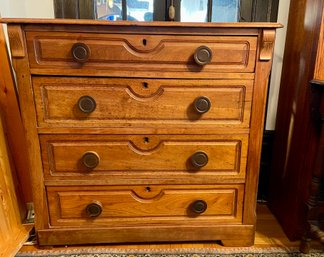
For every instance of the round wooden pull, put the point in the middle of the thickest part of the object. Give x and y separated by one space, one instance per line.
199 206
90 160
199 159
87 104
203 55
94 209
202 104
80 52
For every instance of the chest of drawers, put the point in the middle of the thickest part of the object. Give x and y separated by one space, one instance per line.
142 132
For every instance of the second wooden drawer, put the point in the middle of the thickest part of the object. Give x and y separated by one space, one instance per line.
95 102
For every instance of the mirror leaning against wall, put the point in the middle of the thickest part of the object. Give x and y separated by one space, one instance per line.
145 10
150 10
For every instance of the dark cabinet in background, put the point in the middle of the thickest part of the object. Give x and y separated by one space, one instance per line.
296 137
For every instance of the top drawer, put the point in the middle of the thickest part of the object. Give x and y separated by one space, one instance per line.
139 55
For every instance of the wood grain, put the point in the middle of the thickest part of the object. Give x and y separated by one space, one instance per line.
140 53
148 234
256 133
26 102
17 43
12 232
319 66
267 44
158 103
135 159
142 130
13 123
145 206
296 139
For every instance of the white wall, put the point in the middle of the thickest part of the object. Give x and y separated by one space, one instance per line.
27 8
277 65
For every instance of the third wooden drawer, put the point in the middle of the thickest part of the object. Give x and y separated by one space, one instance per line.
111 159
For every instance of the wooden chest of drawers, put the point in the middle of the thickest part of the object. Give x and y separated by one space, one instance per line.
142 131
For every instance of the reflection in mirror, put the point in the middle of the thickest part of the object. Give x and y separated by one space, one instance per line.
225 10
134 10
109 10
194 10
210 10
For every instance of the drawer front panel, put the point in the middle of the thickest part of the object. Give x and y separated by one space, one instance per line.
144 205
126 102
150 157
129 54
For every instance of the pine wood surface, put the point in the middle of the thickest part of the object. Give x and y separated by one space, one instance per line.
12 232
26 100
14 127
268 234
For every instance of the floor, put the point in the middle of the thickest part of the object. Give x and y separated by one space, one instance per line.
268 234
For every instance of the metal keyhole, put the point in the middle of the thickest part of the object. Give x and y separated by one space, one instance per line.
148 189
145 85
146 140
144 42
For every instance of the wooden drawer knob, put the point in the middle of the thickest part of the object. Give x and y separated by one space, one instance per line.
199 206
90 160
202 104
80 52
199 159
203 55
87 104
94 209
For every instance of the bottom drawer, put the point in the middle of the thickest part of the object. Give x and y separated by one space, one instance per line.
145 205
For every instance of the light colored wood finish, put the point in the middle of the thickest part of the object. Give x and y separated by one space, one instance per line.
26 100
319 64
141 159
16 39
120 53
12 233
158 103
145 205
175 130
267 44
210 232
12 119
140 145
257 124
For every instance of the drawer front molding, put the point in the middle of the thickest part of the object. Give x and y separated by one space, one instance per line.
155 102
137 53
144 205
151 157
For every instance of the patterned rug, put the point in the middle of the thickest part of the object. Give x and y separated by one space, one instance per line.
197 252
